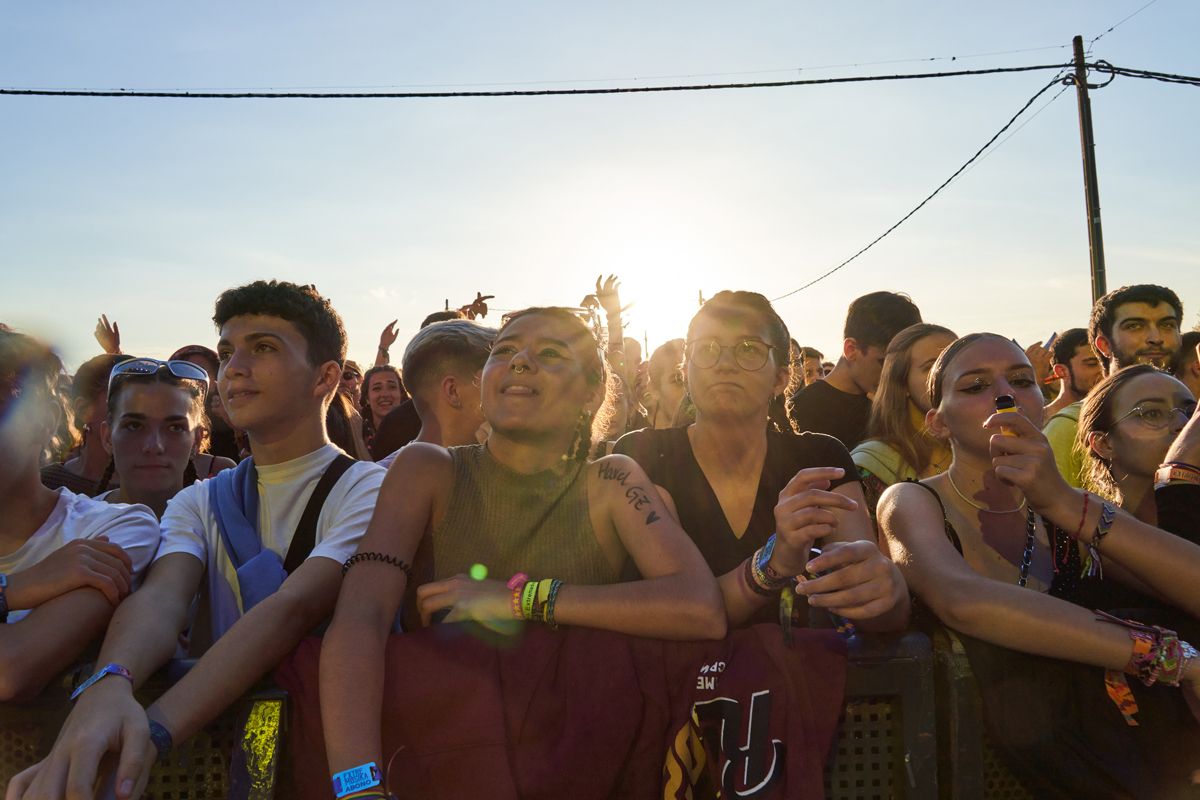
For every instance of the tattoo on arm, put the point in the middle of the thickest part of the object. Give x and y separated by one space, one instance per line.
635 496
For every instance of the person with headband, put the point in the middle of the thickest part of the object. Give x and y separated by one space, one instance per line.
527 504
998 548
66 560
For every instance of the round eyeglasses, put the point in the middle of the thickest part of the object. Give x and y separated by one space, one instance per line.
1156 417
749 354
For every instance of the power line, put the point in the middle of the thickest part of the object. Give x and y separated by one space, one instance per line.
677 76
933 194
519 93
1166 77
1116 25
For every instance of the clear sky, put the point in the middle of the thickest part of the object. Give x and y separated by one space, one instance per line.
146 209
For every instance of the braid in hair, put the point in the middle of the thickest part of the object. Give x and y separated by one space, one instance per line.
106 478
189 473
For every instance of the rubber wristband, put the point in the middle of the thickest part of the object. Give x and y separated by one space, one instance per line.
356 779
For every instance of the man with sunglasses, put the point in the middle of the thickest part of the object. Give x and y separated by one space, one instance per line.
66 560
264 559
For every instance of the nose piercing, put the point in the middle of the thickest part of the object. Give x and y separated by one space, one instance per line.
519 368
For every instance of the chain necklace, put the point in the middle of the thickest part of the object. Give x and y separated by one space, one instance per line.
981 506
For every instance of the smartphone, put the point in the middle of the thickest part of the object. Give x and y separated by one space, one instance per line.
1050 340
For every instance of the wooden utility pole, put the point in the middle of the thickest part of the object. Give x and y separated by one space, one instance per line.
1091 191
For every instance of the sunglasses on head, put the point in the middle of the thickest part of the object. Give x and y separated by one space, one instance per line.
184 370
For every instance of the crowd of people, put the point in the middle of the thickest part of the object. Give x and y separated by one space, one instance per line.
1041 502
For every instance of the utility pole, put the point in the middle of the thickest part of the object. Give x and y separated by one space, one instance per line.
1091 191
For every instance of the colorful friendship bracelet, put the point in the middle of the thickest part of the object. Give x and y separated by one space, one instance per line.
551 599
1092 566
1082 518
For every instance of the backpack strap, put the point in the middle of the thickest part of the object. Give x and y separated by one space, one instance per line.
305 537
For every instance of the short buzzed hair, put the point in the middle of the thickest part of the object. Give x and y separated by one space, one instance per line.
454 346
874 319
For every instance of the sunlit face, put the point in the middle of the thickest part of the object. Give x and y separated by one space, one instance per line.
667 390
383 394
351 383
1084 370
1146 423
535 383
727 389
813 370
920 361
151 436
265 379
978 374
1143 334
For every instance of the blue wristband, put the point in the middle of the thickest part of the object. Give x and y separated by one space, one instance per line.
3 597
161 737
109 669
355 779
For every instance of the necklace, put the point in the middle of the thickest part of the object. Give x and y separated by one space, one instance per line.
980 506
1030 541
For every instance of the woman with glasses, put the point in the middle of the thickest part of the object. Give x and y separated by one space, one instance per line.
155 425
755 499
1002 551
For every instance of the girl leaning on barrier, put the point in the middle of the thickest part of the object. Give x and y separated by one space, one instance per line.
526 503
999 548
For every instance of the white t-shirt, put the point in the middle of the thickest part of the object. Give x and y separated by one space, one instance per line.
189 526
76 516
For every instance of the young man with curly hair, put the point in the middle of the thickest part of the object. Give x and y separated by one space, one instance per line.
231 540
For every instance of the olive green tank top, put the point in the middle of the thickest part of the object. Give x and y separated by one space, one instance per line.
509 522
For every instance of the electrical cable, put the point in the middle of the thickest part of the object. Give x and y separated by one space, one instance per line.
1058 78
1113 27
1166 77
521 93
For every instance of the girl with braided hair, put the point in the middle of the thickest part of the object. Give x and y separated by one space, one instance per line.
528 503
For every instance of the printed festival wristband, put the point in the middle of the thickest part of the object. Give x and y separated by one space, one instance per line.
356 779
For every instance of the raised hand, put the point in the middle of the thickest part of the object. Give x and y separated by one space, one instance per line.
388 336
478 307
1039 357
109 336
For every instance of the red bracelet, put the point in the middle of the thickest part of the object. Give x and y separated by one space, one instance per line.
1082 518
